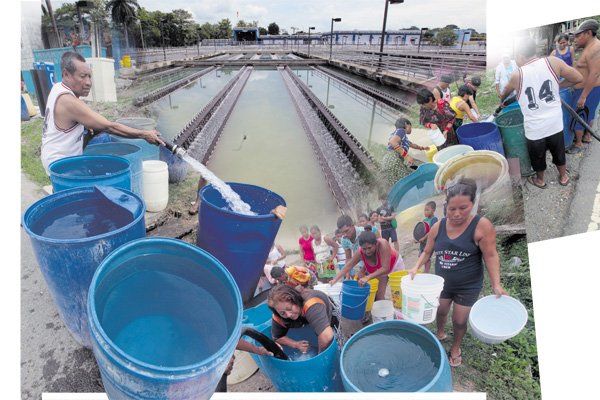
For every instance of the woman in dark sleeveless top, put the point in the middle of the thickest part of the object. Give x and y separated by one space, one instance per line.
563 50
461 243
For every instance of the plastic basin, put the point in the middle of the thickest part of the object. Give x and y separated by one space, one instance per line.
494 320
414 188
442 156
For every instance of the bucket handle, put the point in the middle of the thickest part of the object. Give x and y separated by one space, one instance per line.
438 302
358 305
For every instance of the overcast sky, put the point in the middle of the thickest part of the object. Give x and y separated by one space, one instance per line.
355 14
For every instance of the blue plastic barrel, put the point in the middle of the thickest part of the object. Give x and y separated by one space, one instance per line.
258 317
414 188
481 136
177 167
320 373
149 151
566 95
71 233
395 356
354 299
78 171
128 151
241 242
165 318
512 106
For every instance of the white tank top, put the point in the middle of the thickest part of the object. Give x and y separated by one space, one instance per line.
322 251
58 143
274 254
539 98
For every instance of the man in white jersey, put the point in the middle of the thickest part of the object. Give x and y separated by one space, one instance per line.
67 116
536 83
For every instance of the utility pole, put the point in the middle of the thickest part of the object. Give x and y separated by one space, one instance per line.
309 29
421 38
385 12
331 37
54 26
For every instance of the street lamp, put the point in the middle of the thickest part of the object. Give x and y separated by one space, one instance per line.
420 37
383 29
331 38
309 29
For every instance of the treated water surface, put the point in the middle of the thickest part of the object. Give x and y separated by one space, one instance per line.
82 219
159 316
391 361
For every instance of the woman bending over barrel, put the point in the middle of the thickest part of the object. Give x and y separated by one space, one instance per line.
379 259
292 309
460 243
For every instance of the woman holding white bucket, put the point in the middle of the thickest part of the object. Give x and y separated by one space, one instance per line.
461 243
379 259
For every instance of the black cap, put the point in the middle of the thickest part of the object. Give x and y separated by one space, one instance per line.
587 25
476 81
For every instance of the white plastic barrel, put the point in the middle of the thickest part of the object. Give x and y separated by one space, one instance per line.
155 186
383 310
421 297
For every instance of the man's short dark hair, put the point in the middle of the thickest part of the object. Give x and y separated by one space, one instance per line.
476 81
66 61
465 90
431 204
344 220
527 47
402 122
446 79
424 96
367 237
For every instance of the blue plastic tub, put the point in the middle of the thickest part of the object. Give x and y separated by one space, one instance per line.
568 121
481 136
241 242
128 151
177 167
414 188
71 233
78 171
354 299
320 373
395 356
165 318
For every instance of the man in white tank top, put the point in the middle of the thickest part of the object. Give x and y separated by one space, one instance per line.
67 115
536 83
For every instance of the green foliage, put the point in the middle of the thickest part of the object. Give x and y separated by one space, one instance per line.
445 37
273 29
31 142
123 12
262 31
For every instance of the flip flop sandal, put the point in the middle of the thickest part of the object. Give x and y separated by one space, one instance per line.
455 361
574 150
586 141
566 183
443 338
532 182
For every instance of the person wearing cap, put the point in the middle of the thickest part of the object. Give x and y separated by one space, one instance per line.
399 143
587 93
473 83
536 83
67 116
503 72
442 90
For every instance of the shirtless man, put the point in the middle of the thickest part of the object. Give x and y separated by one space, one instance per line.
587 94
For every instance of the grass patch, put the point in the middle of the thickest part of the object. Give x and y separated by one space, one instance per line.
31 142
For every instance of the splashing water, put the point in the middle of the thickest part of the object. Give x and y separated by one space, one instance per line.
234 201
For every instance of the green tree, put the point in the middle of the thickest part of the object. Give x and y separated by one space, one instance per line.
273 29
241 24
445 37
262 31
451 26
123 12
223 29
207 31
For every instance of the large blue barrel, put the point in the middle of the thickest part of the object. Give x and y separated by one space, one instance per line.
566 95
481 136
128 151
414 188
165 318
241 242
149 151
258 317
78 171
177 167
395 356
320 373
71 233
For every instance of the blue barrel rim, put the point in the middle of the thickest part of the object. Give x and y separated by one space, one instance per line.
505 115
67 193
60 161
135 147
229 212
379 325
149 369
489 126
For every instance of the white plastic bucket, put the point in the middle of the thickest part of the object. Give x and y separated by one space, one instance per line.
243 368
335 291
155 185
421 297
383 310
494 320
442 156
436 136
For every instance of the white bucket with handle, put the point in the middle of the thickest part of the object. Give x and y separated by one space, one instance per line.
436 136
421 297
383 310
333 291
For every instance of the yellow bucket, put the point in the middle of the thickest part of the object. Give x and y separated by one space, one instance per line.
374 283
394 278
431 152
126 60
